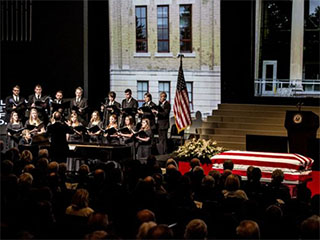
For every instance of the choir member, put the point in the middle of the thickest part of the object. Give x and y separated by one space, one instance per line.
96 125
126 134
146 110
40 102
144 143
79 104
127 137
163 114
59 104
35 121
111 134
110 107
129 106
16 103
73 122
14 129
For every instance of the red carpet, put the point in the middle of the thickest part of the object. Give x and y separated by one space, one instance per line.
314 184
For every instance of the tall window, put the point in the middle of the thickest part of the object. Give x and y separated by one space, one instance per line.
276 35
165 87
163 28
142 88
141 29
311 41
185 28
190 93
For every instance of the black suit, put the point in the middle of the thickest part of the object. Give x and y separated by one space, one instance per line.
20 107
59 145
82 104
108 113
133 104
163 126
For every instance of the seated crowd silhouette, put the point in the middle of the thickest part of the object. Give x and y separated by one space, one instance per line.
40 199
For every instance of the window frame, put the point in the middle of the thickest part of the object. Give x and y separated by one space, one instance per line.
191 92
185 40
146 28
141 101
167 27
168 93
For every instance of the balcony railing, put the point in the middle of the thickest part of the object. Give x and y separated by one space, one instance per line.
287 88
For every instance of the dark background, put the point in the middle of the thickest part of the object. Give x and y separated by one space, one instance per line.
237 57
54 57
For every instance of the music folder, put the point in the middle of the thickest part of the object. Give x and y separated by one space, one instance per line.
31 127
57 106
158 108
110 131
125 130
15 131
141 134
145 109
80 128
94 129
112 108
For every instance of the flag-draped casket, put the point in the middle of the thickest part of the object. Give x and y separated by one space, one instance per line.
296 168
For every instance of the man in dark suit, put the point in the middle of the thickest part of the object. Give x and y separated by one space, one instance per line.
163 114
129 106
59 104
16 103
40 102
110 106
79 104
57 132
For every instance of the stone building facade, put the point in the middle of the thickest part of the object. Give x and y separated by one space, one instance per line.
154 71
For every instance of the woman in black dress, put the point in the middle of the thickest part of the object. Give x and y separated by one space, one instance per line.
34 120
95 121
144 141
73 122
112 137
14 129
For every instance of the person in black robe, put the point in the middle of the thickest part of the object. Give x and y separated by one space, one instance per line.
129 106
41 103
79 105
14 129
109 107
163 114
144 141
57 132
146 111
16 103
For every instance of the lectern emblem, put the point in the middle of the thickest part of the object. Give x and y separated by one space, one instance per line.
297 118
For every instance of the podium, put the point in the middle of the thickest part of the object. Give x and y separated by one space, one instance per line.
302 129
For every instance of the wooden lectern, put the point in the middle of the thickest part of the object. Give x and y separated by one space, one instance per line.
302 129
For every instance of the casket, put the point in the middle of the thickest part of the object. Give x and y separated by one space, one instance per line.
296 168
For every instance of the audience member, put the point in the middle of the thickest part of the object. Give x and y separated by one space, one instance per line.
196 229
80 204
248 229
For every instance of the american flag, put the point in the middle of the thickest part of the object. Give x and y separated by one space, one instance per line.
181 108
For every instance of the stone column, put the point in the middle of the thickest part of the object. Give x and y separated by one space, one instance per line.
296 54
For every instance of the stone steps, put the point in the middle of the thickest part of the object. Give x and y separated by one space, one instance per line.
230 123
